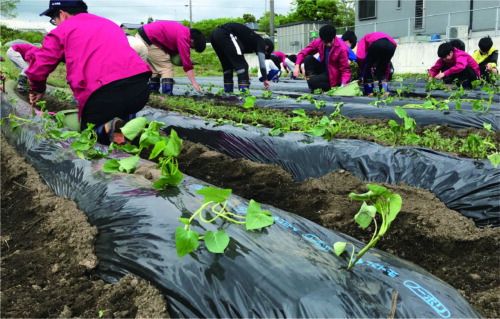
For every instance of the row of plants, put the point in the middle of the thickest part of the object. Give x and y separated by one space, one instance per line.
334 126
165 150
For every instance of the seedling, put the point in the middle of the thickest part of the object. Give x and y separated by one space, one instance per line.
385 203
168 148
215 200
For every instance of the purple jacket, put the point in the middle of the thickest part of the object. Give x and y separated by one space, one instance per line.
457 64
96 51
25 50
364 44
338 62
172 37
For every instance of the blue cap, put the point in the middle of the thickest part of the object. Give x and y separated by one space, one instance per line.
54 5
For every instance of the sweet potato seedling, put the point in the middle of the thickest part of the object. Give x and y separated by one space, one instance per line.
187 240
385 203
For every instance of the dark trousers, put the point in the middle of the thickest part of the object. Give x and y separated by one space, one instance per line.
230 54
380 54
316 74
467 74
116 99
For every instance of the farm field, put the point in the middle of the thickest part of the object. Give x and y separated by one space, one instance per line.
449 227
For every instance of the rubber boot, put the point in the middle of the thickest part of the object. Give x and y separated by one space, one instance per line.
22 83
244 86
465 84
154 85
228 88
368 88
292 77
110 132
384 86
167 86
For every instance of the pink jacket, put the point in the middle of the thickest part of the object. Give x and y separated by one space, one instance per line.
25 50
457 64
338 62
281 56
172 37
96 51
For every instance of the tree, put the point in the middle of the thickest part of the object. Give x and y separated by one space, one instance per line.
249 18
8 8
150 19
264 21
340 12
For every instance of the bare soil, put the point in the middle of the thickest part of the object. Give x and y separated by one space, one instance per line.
47 244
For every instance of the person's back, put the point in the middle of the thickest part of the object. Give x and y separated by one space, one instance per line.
91 61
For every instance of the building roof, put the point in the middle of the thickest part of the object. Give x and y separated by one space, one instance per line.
130 26
303 22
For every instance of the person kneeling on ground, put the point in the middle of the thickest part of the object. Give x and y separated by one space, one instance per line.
108 78
280 58
20 55
454 64
375 49
164 39
332 69
230 42
486 57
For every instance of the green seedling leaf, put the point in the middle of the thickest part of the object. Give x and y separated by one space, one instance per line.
14 125
129 148
395 203
494 159
215 195
339 247
249 102
365 215
186 241
400 112
134 127
256 217
70 134
185 221
216 242
487 127
174 145
111 166
365 196
80 145
159 147
379 190
128 165
168 180
352 89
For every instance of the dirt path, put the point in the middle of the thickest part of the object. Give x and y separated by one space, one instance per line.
48 261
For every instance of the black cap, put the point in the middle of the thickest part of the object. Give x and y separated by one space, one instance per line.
54 5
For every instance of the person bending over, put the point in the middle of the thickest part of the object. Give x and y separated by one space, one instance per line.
108 78
230 42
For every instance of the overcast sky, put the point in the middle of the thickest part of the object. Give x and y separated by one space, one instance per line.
128 11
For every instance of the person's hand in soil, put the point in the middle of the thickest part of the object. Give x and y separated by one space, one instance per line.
266 84
36 97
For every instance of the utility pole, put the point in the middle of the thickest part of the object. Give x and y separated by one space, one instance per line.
271 20
190 14
190 5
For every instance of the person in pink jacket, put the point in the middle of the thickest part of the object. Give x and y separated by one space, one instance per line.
454 64
163 40
375 50
333 67
21 54
108 78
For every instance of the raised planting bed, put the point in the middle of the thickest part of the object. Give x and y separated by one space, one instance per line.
425 232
